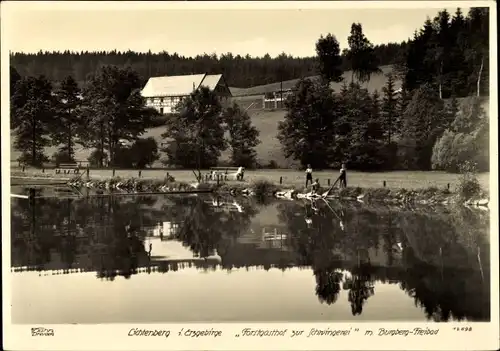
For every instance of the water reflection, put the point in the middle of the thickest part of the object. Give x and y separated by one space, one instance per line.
438 258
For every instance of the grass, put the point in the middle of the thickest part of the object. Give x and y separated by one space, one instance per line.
394 180
268 150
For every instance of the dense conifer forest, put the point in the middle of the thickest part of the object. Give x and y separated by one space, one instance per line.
239 71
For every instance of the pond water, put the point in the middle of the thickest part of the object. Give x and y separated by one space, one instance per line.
125 259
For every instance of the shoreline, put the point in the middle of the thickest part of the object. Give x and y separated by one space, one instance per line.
263 189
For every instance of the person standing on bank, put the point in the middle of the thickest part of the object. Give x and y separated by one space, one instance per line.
343 176
309 175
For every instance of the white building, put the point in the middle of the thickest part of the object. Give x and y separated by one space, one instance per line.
164 93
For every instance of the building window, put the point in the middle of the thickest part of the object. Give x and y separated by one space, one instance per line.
161 100
172 100
161 110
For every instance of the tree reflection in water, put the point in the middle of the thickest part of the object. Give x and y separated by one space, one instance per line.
208 226
439 257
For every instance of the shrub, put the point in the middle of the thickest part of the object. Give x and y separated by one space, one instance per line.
452 150
26 158
61 156
272 164
468 184
466 140
367 156
97 158
144 152
263 187
122 157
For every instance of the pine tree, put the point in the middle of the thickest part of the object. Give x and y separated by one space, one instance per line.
243 136
67 120
113 110
14 78
375 129
441 43
361 55
404 98
365 129
424 121
420 58
33 107
389 109
460 68
478 48
329 58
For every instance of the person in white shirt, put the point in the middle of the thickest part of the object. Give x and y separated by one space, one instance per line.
309 176
240 173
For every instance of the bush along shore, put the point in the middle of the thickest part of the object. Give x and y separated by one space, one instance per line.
263 188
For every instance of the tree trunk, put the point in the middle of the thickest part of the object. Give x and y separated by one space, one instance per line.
479 77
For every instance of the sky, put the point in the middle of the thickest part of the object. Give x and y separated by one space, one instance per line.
192 31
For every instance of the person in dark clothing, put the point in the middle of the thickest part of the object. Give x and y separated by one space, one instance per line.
315 186
343 176
309 176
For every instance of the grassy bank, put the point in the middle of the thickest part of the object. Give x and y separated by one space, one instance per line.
394 180
263 189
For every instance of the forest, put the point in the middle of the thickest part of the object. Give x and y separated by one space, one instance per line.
422 127
240 72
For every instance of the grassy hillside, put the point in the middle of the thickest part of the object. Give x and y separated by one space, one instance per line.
377 82
267 123
270 148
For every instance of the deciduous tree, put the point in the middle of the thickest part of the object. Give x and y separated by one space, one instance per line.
243 136
308 130
195 135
